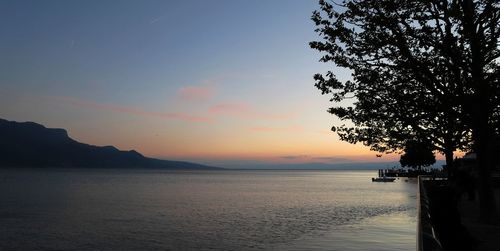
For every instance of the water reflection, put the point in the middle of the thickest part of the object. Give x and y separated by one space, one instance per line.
223 210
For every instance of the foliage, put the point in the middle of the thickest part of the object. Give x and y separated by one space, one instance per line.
417 154
424 70
402 55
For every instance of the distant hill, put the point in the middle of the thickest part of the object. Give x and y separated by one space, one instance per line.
29 144
325 166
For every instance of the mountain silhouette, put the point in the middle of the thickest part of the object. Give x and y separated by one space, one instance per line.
28 144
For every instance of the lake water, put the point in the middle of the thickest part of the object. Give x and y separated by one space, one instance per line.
119 209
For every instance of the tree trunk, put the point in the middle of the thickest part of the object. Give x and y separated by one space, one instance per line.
449 164
487 204
482 109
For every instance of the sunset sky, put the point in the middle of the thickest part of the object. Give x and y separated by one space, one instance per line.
216 82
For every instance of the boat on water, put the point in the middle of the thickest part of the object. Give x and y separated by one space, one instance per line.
383 179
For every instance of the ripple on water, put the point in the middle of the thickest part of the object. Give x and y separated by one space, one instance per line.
261 210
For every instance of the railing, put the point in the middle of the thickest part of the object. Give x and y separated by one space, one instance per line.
427 238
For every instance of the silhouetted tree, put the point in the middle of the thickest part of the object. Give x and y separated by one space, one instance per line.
417 154
420 69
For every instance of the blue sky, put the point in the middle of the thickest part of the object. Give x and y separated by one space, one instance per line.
209 81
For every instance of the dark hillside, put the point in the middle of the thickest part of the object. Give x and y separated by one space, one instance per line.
29 144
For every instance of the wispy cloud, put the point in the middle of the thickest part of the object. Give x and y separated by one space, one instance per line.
243 110
276 129
294 157
316 159
196 93
332 159
155 20
240 110
131 110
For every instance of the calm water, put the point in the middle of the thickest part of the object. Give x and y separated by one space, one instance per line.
87 209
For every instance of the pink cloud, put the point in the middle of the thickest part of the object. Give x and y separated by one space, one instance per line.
230 109
277 129
131 110
196 93
243 110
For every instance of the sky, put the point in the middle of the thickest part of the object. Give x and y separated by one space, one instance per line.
215 82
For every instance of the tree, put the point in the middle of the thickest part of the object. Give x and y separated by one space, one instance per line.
417 154
390 105
421 69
